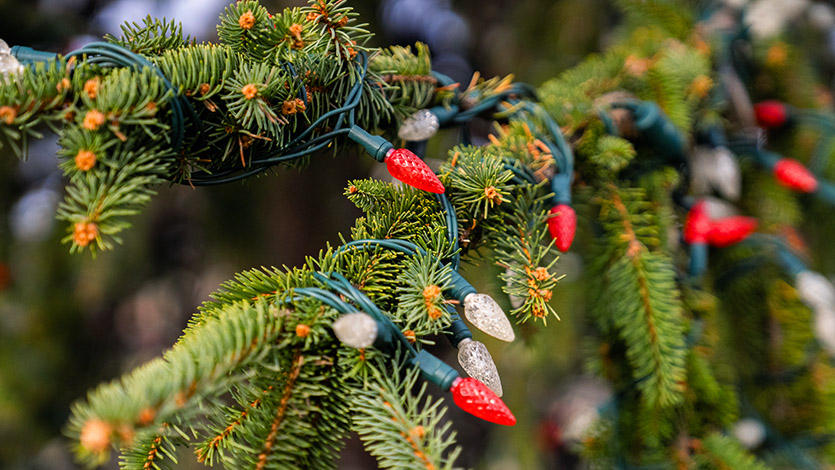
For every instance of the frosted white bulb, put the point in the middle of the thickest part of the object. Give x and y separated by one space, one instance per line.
719 208
726 177
4 48
577 425
701 164
768 17
477 362
749 432
825 328
486 315
421 125
815 290
9 65
715 169
821 16
357 330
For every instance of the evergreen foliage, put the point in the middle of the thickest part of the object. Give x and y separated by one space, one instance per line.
259 379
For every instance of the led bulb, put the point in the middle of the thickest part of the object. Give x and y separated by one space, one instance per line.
821 16
815 290
719 208
407 167
476 361
749 432
357 330
697 224
486 315
701 161
825 328
726 177
562 224
730 230
421 125
9 65
793 175
771 113
475 398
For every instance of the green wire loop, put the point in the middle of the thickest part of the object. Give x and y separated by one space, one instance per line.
297 147
106 54
339 283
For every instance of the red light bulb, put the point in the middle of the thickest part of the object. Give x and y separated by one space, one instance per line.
562 224
730 230
771 113
792 174
407 167
475 398
697 224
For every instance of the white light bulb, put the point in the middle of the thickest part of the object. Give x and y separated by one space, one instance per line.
421 125
815 290
700 163
715 169
357 330
477 362
825 328
821 16
749 432
486 315
726 176
4 48
766 18
719 208
9 65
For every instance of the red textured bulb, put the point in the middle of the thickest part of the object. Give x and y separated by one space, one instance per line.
475 398
697 224
771 113
562 224
792 174
410 169
730 230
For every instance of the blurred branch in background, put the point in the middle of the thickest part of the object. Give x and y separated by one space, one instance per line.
68 322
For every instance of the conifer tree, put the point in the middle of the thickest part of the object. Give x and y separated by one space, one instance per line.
700 325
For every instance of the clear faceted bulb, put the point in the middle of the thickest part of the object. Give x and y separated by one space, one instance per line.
821 16
719 208
477 362
749 432
824 318
715 169
701 160
485 314
357 330
726 177
4 48
421 125
9 65
815 290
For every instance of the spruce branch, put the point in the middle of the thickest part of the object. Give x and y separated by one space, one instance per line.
170 391
391 414
410 72
274 91
648 314
718 451
259 380
151 37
